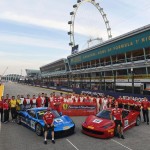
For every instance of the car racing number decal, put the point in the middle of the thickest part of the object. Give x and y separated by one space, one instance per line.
97 120
32 124
126 123
58 120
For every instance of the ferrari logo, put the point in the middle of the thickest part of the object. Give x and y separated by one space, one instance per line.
65 106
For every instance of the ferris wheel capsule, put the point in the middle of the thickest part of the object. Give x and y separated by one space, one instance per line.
72 21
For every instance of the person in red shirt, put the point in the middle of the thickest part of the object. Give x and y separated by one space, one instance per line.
48 118
120 102
43 99
61 97
56 104
39 101
125 103
7 98
131 103
109 105
6 111
117 114
1 107
137 105
145 104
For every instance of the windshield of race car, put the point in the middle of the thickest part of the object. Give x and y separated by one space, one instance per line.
42 112
105 114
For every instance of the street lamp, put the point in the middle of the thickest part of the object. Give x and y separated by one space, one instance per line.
132 75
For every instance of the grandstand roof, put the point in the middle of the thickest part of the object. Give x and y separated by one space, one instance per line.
54 62
125 42
123 36
32 71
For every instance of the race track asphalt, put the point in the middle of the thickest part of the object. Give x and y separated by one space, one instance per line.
17 137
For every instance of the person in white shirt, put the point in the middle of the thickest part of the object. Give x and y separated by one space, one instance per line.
98 101
28 102
33 102
21 102
66 99
51 97
104 103
81 98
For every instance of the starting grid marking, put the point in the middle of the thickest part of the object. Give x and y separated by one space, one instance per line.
72 144
111 140
121 144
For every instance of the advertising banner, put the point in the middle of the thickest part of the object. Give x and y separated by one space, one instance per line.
79 109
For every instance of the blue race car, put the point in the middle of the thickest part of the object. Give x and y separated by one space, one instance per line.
33 118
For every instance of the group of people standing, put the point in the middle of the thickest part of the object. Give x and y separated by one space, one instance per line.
54 100
7 105
13 105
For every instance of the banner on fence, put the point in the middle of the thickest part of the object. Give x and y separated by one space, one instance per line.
78 109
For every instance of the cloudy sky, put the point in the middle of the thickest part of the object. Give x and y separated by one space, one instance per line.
34 32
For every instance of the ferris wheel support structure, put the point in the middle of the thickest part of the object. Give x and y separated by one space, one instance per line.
72 21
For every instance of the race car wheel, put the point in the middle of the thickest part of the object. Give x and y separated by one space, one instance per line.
38 129
138 121
18 119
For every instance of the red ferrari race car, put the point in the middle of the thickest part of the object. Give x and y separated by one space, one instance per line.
101 126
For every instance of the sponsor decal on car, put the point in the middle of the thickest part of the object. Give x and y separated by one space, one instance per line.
126 123
32 124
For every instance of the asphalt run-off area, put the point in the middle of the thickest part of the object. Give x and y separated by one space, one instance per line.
17 137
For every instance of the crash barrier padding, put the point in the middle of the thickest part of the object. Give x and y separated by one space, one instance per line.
1 90
78 109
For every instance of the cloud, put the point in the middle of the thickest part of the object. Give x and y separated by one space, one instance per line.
22 40
81 29
34 21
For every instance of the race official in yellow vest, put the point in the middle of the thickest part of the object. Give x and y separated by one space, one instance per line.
13 104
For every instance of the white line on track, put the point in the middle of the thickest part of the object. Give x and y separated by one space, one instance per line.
72 145
121 144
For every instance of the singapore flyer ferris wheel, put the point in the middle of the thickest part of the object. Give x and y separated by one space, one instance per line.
71 33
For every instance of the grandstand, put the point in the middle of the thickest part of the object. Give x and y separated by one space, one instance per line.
33 76
12 77
120 64
54 74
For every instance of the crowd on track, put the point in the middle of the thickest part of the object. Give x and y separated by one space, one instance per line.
54 101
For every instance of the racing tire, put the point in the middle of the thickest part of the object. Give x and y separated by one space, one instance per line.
38 129
138 121
18 120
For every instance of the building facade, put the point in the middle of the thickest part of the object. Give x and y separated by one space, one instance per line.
121 64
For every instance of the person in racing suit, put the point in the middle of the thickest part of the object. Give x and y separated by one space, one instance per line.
48 118
56 104
145 104
117 114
